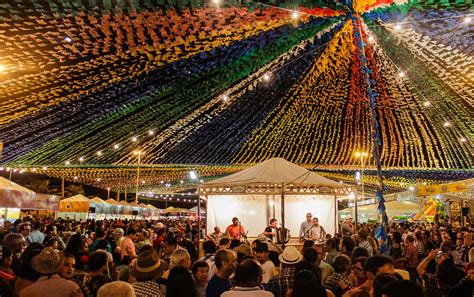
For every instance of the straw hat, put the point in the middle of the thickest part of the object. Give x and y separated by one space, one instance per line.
262 237
47 262
243 249
290 255
148 265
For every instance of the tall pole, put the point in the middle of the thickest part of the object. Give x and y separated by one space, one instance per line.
356 214
62 186
139 153
283 210
362 175
199 227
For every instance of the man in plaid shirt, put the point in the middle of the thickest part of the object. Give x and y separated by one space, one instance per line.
339 282
279 285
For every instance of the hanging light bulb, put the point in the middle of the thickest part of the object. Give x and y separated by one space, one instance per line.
467 20
266 77
370 39
295 15
151 132
81 159
67 163
99 153
446 124
116 146
398 27
134 138
225 97
401 74
463 139
427 104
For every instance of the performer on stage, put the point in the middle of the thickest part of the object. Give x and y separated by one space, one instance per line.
236 230
305 226
216 235
271 232
316 232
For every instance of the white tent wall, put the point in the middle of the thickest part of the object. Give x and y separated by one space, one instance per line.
254 211
250 209
321 207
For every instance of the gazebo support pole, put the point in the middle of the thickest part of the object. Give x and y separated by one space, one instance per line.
199 228
283 213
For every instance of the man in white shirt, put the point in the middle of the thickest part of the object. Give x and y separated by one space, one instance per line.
316 232
269 270
305 226
248 275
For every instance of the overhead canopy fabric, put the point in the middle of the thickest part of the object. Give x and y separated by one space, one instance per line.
269 176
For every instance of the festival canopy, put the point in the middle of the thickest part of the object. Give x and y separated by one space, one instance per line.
93 90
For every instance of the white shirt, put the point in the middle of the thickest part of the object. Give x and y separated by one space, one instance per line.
269 271
247 292
315 233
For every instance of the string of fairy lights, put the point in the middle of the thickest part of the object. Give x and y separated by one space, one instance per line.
137 140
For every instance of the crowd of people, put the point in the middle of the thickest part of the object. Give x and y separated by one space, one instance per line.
56 257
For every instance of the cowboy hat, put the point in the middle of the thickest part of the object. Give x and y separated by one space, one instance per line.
290 255
47 262
148 265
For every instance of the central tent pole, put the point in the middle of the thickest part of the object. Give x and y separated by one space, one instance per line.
283 213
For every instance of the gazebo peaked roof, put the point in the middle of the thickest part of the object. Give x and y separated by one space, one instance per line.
269 176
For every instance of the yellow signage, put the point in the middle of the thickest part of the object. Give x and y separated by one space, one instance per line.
441 189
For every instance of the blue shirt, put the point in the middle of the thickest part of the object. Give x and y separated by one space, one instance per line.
216 286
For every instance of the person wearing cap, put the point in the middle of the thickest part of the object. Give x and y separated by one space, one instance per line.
225 263
347 227
47 263
305 227
280 284
236 230
118 235
147 270
268 268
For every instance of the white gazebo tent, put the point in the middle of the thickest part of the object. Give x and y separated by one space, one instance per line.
274 188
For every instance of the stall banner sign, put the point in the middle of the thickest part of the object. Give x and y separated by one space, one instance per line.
441 189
